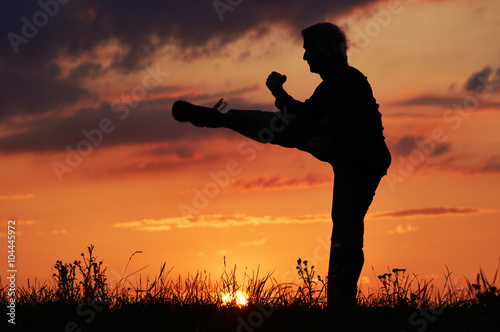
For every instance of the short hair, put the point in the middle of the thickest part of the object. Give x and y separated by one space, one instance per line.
328 37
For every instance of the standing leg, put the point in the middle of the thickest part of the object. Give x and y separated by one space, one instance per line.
351 199
346 263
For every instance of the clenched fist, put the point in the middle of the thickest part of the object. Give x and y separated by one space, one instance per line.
275 81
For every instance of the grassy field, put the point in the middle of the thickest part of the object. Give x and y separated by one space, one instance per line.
79 298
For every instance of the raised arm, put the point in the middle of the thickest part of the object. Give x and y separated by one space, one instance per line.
275 83
308 112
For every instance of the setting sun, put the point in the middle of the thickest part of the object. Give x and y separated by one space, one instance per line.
237 298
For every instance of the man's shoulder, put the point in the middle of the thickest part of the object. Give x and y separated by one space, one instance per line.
346 79
347 73
354 73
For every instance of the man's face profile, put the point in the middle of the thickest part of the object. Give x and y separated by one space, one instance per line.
317 60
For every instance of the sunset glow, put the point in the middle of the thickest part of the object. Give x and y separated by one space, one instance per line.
237 298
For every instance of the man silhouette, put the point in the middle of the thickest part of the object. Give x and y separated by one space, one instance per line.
339 124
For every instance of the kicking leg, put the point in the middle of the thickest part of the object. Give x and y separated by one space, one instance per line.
265 127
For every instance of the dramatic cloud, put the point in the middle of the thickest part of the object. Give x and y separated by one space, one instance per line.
218 221
149 122
142 27
427 211
133 121
49 48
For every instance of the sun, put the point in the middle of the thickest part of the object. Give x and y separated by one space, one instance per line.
237 298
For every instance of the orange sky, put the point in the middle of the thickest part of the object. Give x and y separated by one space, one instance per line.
433 67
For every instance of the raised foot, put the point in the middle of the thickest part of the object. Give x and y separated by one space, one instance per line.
199 116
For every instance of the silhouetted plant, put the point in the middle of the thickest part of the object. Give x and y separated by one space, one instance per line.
397 289
483 291
308 291
36 294
68 288
93 284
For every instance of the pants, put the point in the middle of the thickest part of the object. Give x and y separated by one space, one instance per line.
352 194
276 128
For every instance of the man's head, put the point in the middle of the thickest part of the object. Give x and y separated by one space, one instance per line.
325 46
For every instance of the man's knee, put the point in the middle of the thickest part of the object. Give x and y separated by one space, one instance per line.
346 257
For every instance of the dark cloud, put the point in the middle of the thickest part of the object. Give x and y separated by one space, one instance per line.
476 84
480 80
37 34
85 70
36 91
150 122
427 211
492 165
407 144
142 26
55 134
